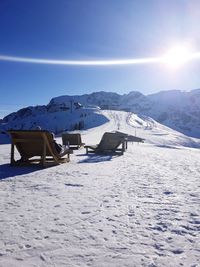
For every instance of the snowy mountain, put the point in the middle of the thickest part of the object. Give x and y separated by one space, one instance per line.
140 209
175 109
85 119
178 110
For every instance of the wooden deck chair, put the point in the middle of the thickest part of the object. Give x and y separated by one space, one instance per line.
36 143
110 143
73 140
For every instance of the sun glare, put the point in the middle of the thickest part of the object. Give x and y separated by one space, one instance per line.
177 56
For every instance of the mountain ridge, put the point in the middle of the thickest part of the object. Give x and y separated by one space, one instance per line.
179 110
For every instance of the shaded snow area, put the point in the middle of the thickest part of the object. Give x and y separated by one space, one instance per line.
138 209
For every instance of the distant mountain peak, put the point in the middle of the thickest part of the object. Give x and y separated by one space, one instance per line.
177 109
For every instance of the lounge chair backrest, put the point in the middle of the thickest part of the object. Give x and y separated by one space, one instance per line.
71 139
36 146
110 141
31 143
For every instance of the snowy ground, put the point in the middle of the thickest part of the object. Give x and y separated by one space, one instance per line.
139 209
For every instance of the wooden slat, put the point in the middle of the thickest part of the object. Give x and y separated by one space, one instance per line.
20 140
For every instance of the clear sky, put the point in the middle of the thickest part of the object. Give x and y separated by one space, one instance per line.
93 30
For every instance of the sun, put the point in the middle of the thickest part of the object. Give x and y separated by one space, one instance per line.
177 56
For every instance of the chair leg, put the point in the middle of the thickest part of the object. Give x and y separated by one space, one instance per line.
43 158
123 146
12 159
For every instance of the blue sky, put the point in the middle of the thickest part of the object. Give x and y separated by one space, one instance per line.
93 30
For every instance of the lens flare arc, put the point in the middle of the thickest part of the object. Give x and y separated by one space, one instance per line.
113 62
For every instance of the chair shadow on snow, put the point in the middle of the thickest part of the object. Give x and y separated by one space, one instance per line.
95 158
8 171
168 146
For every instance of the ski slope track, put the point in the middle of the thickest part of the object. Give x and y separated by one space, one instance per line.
138 209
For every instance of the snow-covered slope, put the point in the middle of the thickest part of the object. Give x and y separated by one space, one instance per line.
176 109
59 121
88 118
139 209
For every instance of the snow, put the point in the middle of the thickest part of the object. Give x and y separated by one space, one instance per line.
176 109
139 209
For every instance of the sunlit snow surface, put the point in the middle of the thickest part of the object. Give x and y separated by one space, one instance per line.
139 209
